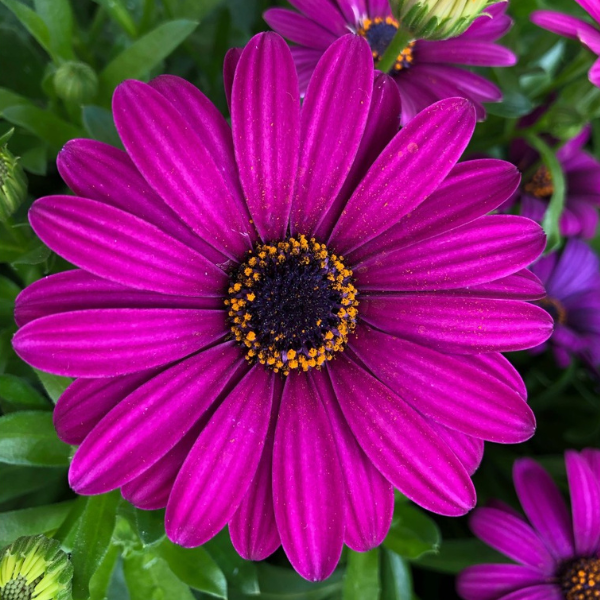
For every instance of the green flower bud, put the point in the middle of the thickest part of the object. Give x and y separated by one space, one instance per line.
13 182
35 568
438 19
75 82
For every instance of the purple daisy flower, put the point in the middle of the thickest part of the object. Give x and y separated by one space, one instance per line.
572 281
559 557
575 29
582 178
222 272
425 71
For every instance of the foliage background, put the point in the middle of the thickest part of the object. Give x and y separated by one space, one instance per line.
120 552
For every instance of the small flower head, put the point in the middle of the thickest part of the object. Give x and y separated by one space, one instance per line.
75 82
35 568
438 19
13 183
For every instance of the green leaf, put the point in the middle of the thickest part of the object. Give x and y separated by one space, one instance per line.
99 124
28 438
8 292
362 576
32 22
413 533
35 160
92 540
456 555
17 394
58 17
8 98
551 222
55 385
43 124
32 521
143 55
513 105
195 567
35 254
24 480
150 525
148 577
241 574
191 9
396 580
119 13
22 67
101 579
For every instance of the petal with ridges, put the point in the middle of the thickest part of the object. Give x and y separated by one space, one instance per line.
489 582
298 28
468 449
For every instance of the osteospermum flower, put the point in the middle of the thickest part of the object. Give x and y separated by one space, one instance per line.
572 280
582 178
274 324
425 72
575 29
558 555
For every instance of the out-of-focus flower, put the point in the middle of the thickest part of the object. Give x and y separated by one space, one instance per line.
582 175
424 71
575 29
572 281
438 19
13 182
75 82
558 554
35 568
274 324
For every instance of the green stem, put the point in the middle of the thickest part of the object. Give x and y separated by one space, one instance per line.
400 41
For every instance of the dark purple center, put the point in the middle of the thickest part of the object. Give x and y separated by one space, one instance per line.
580 579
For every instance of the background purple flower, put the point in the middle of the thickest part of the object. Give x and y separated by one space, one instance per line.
172 410
576 29
572 281
426 72
558 554
582 175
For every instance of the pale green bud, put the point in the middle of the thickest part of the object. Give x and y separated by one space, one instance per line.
438 19
35 567
75 82
13 182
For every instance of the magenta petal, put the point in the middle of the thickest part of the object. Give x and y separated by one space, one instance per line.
369 496
464 51
179 166
382 125
490 582
100 172
299 29
253 528
451 391
323 12
79 290
585 500
219 468
544 506
536 592
560 23
87 401
592 8
420 157
333 120
206 121
307 482
417 462
266 131
498 366
489 248
468 449
119 247
594 74
106 343
513 537
232 58
459 325
149 422
151 489
471 190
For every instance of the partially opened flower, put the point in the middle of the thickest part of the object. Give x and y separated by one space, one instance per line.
274 324
425 72
558 554
582 179
572 280
575 29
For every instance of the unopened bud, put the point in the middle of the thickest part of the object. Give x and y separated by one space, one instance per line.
75 82
13 182
438 19
35 567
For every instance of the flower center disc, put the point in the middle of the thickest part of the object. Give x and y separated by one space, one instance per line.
581 579
379 32
541 184
292 305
